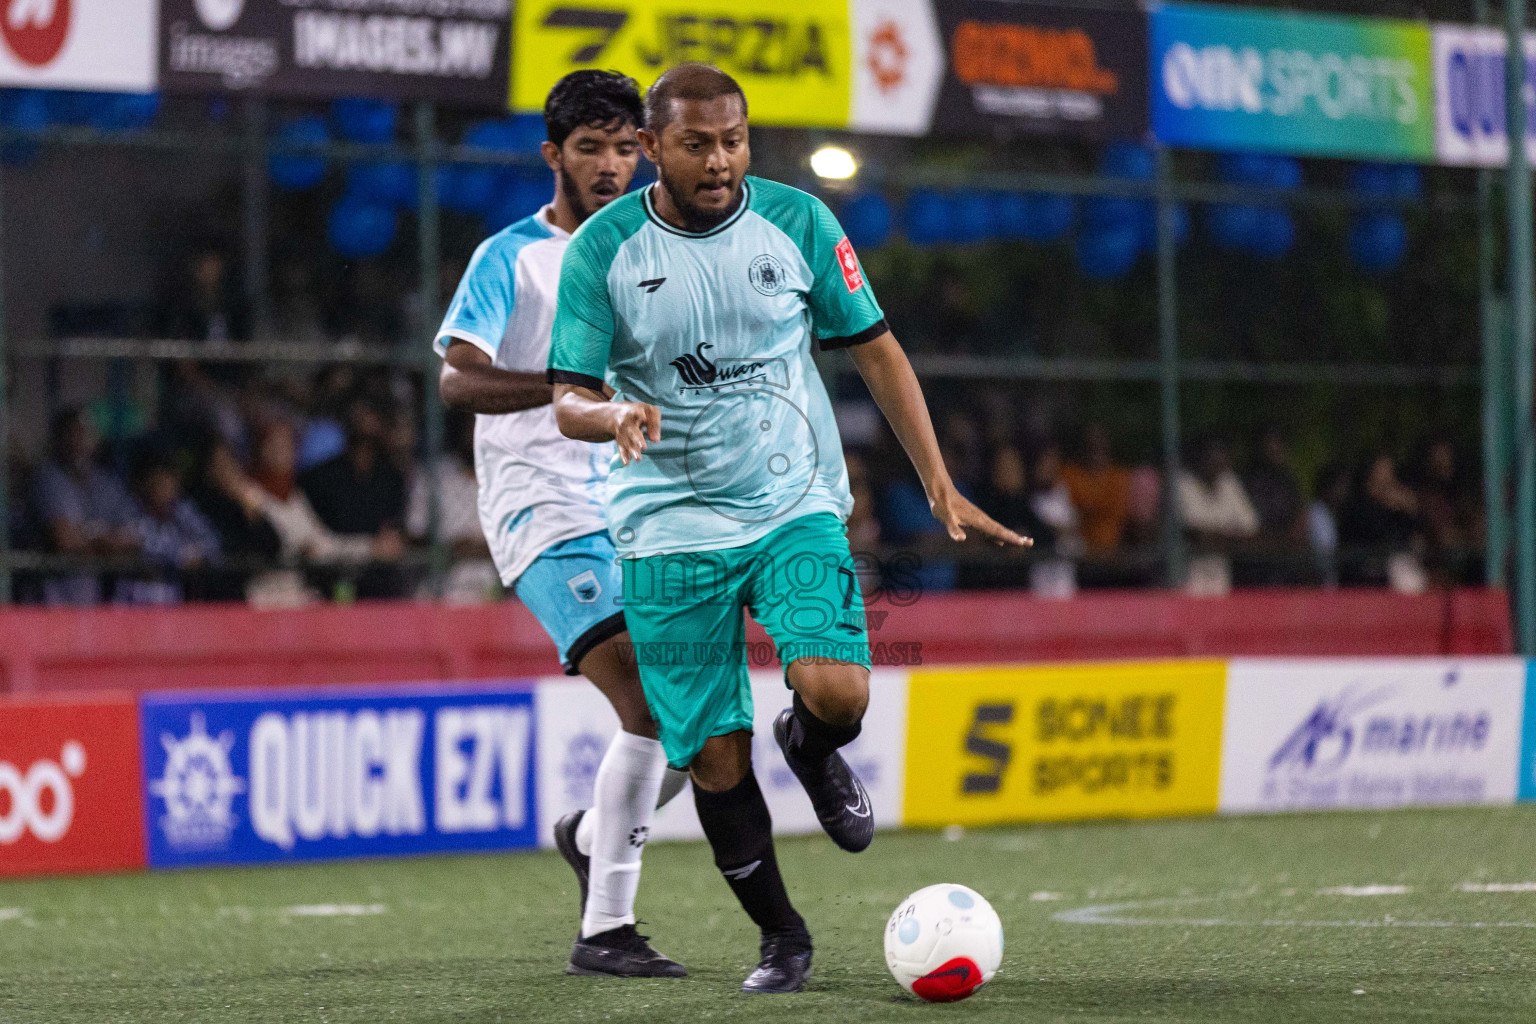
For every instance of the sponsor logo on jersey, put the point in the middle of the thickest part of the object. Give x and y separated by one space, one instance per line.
852 276
766 274
653 284
699 372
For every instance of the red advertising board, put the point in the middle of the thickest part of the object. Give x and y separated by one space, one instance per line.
70 797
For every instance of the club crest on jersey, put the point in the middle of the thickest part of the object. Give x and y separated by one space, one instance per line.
853 277
585 587
767 274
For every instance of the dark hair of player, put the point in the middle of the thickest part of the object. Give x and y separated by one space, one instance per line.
691 80
597 99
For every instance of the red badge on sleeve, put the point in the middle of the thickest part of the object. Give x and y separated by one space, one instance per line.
850 264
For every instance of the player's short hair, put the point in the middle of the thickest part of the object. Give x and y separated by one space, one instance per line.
596 99
691 80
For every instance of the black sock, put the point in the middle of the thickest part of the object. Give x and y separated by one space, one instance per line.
740 832
813 740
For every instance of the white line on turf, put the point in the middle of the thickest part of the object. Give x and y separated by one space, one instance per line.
1117 914
1365 890
10 913
1497 887
1045 897
336 910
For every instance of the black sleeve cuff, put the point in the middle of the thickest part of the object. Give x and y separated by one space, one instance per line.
869 333
581 380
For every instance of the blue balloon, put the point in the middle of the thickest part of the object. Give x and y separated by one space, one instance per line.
386 182
1274 232
521 197
929 217
125 112
358 228
26 109
293 172
1105 253
1232 225
365 120
1129 160
1265 169
1378 180
1111 211
522 134
973 216
1147 224
1048 216
867 219
1378 242
468 188
77 108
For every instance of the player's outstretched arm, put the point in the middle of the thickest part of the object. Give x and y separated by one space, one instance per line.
470 381
890 379
586 415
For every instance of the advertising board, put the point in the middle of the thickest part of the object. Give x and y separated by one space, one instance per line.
1470 127
106 45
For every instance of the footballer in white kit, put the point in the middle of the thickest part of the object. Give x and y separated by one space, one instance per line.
541 494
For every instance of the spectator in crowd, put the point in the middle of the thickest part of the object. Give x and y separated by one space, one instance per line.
83 509
205 304
1329 495
1100 490
1051 501
1008 497
458 495
172 535
1380 522
1213 505
297 314
1450 514
361 491
1275 492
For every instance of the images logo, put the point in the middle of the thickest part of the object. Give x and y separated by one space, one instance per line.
26 793
198 787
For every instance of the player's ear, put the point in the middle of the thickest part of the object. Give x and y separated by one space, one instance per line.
650 145
551 154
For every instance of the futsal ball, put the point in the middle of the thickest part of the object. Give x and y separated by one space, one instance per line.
943 943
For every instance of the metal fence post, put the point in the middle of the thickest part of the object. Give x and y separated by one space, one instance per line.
255 199
1168 377
1522 329
428 239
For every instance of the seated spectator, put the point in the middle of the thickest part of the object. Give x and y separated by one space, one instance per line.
361 491
1380 522
1145 507
1008 497
1052 501
83 509
1328 497
1212 503
1275 492
1450 513
1100 491
172 535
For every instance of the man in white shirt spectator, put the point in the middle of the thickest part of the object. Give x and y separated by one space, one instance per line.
1212 502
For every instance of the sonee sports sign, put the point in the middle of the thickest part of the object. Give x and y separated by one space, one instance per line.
1064 742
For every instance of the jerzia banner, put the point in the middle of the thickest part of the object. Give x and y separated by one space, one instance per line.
450 51
1035 68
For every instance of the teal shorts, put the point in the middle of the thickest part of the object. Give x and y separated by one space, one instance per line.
684 617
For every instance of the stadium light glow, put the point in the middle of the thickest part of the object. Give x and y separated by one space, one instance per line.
834 162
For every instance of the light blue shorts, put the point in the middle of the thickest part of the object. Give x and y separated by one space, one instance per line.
576 591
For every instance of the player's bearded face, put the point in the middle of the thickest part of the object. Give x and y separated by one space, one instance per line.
595 165
701 157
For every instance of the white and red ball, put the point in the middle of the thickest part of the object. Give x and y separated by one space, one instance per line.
943 943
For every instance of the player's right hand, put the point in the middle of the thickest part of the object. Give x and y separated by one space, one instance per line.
634 423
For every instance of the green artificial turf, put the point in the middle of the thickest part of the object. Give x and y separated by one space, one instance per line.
1237 919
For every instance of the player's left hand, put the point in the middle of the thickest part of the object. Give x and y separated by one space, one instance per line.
957 512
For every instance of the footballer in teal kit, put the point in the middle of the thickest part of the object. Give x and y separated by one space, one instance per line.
696 302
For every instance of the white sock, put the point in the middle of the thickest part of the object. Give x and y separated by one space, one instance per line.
623 800
671 784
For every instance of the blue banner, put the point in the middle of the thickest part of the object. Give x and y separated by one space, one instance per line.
253 777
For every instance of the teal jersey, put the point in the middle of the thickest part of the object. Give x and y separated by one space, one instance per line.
715 330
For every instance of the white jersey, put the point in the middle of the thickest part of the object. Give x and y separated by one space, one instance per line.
537 487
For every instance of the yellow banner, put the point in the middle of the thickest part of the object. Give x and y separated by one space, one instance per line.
995 745
791 59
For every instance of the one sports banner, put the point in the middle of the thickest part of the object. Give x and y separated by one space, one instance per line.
1470 126
1239 79
450 51
280 775
1315 734
1024 67
576 723
69 786
104 45
870 65
994 745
